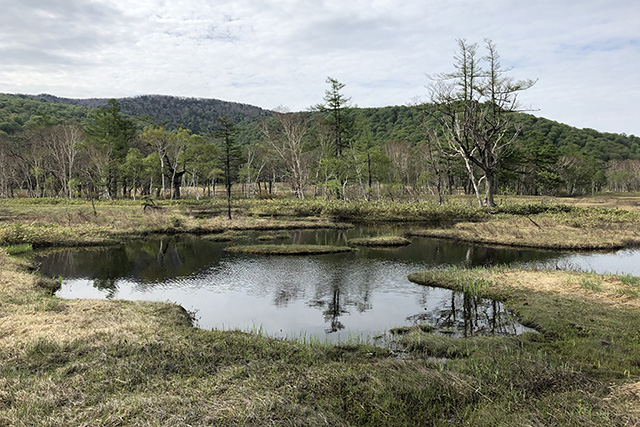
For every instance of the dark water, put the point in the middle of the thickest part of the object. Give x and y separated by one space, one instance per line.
337 297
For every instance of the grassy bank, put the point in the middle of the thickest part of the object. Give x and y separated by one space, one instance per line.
592 320
588 348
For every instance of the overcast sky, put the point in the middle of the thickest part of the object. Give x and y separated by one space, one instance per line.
585 54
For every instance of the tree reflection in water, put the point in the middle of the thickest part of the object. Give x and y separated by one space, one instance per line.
287 291
346 287
333 307
466 315
109 286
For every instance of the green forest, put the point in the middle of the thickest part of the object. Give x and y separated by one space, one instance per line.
171 147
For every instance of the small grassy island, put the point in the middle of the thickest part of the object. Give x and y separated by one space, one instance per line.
227 236
288 249
283 235
381 241
90 362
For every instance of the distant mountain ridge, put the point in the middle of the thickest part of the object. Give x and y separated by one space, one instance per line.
196 114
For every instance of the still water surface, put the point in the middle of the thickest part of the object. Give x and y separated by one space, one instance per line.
335 297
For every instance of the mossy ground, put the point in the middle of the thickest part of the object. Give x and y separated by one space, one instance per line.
226 236
283 235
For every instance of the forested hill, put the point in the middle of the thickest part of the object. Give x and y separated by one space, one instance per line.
380 125
599 145
196 114
403 123
18 112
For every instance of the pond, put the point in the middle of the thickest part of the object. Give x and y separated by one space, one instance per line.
334 297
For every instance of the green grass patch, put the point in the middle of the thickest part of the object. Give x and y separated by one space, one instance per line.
632 286
629 280
591 284
402 330
288 249
18 249
629 292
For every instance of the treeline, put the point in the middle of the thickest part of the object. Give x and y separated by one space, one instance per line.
169 147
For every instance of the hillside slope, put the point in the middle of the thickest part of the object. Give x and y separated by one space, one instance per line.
197 114
381 125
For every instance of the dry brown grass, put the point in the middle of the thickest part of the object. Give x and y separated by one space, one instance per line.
627 397
288 249
627 201
610 289
26 315
79 319
629 394
244 223
380 241
548 233
45 226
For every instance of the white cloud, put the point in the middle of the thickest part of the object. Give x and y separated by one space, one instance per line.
273 52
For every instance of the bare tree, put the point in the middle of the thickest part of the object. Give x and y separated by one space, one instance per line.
400 156
286 138
252 168
158 138
433 156
32 157
177 144
474 105
62 143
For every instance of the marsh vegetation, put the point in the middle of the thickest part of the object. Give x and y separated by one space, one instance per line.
68 361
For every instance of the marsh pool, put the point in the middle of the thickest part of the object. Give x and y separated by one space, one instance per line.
334 297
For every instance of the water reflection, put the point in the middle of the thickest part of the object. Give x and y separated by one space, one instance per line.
466 315
340 295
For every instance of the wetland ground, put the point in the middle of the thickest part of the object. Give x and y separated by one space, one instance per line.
79 362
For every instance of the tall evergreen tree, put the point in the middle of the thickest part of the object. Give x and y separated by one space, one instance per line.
337 111
111 132
338 118
231 154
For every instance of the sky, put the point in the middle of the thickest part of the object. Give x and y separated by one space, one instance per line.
585 55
